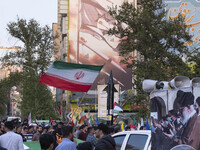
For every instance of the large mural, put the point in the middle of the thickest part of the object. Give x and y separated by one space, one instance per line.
189 9
89 43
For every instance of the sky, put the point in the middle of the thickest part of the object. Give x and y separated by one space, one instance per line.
43 11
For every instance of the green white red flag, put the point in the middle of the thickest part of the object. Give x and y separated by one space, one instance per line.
83 117
89 123
36 122
29 119
70 76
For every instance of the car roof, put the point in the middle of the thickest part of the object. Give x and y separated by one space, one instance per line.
147 132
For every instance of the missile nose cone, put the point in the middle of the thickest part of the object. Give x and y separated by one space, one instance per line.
110 81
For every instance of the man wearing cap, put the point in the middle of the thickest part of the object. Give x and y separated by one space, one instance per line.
191 124
106 141
11 140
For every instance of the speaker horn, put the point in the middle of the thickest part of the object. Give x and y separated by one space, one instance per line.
195 82
150 85
180 82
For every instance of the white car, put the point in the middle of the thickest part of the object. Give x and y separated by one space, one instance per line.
10 118
133 140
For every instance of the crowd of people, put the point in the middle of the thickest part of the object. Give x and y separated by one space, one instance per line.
58 136
179 126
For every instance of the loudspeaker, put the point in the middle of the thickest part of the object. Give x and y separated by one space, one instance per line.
180 82
150 85
195 82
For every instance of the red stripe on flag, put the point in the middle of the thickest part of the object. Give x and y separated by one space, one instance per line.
60 111
72 123
115 118
63 84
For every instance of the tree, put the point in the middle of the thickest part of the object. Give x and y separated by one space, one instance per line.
159 42
33 58
5 86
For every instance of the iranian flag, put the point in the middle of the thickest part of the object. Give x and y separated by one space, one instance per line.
36 122
29 119
89 124
70 76
72 123
83 117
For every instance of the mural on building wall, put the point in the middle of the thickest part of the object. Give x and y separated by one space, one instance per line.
89 43
189 9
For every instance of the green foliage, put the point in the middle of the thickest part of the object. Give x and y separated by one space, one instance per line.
34 58
159 44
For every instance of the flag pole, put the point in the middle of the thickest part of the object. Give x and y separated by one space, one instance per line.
78 106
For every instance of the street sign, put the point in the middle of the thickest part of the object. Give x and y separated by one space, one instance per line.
69 115
108 117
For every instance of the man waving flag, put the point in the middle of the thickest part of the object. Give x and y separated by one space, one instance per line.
70 76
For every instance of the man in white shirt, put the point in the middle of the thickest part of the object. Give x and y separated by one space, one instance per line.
11 140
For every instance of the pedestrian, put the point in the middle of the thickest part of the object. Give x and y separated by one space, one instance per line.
23 126
2 129
1 148
90 137
36 136
67 142
43 124
106 141
117 128
143 128
19 131
85 146
127 128
11 140
53 124
25 130
83 134
30 130
46 141
57 134
78 130
50 130
111 130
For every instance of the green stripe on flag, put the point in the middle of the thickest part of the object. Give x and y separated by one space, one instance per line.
65 65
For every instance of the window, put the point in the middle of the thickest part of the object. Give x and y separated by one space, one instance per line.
136 142
119 141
